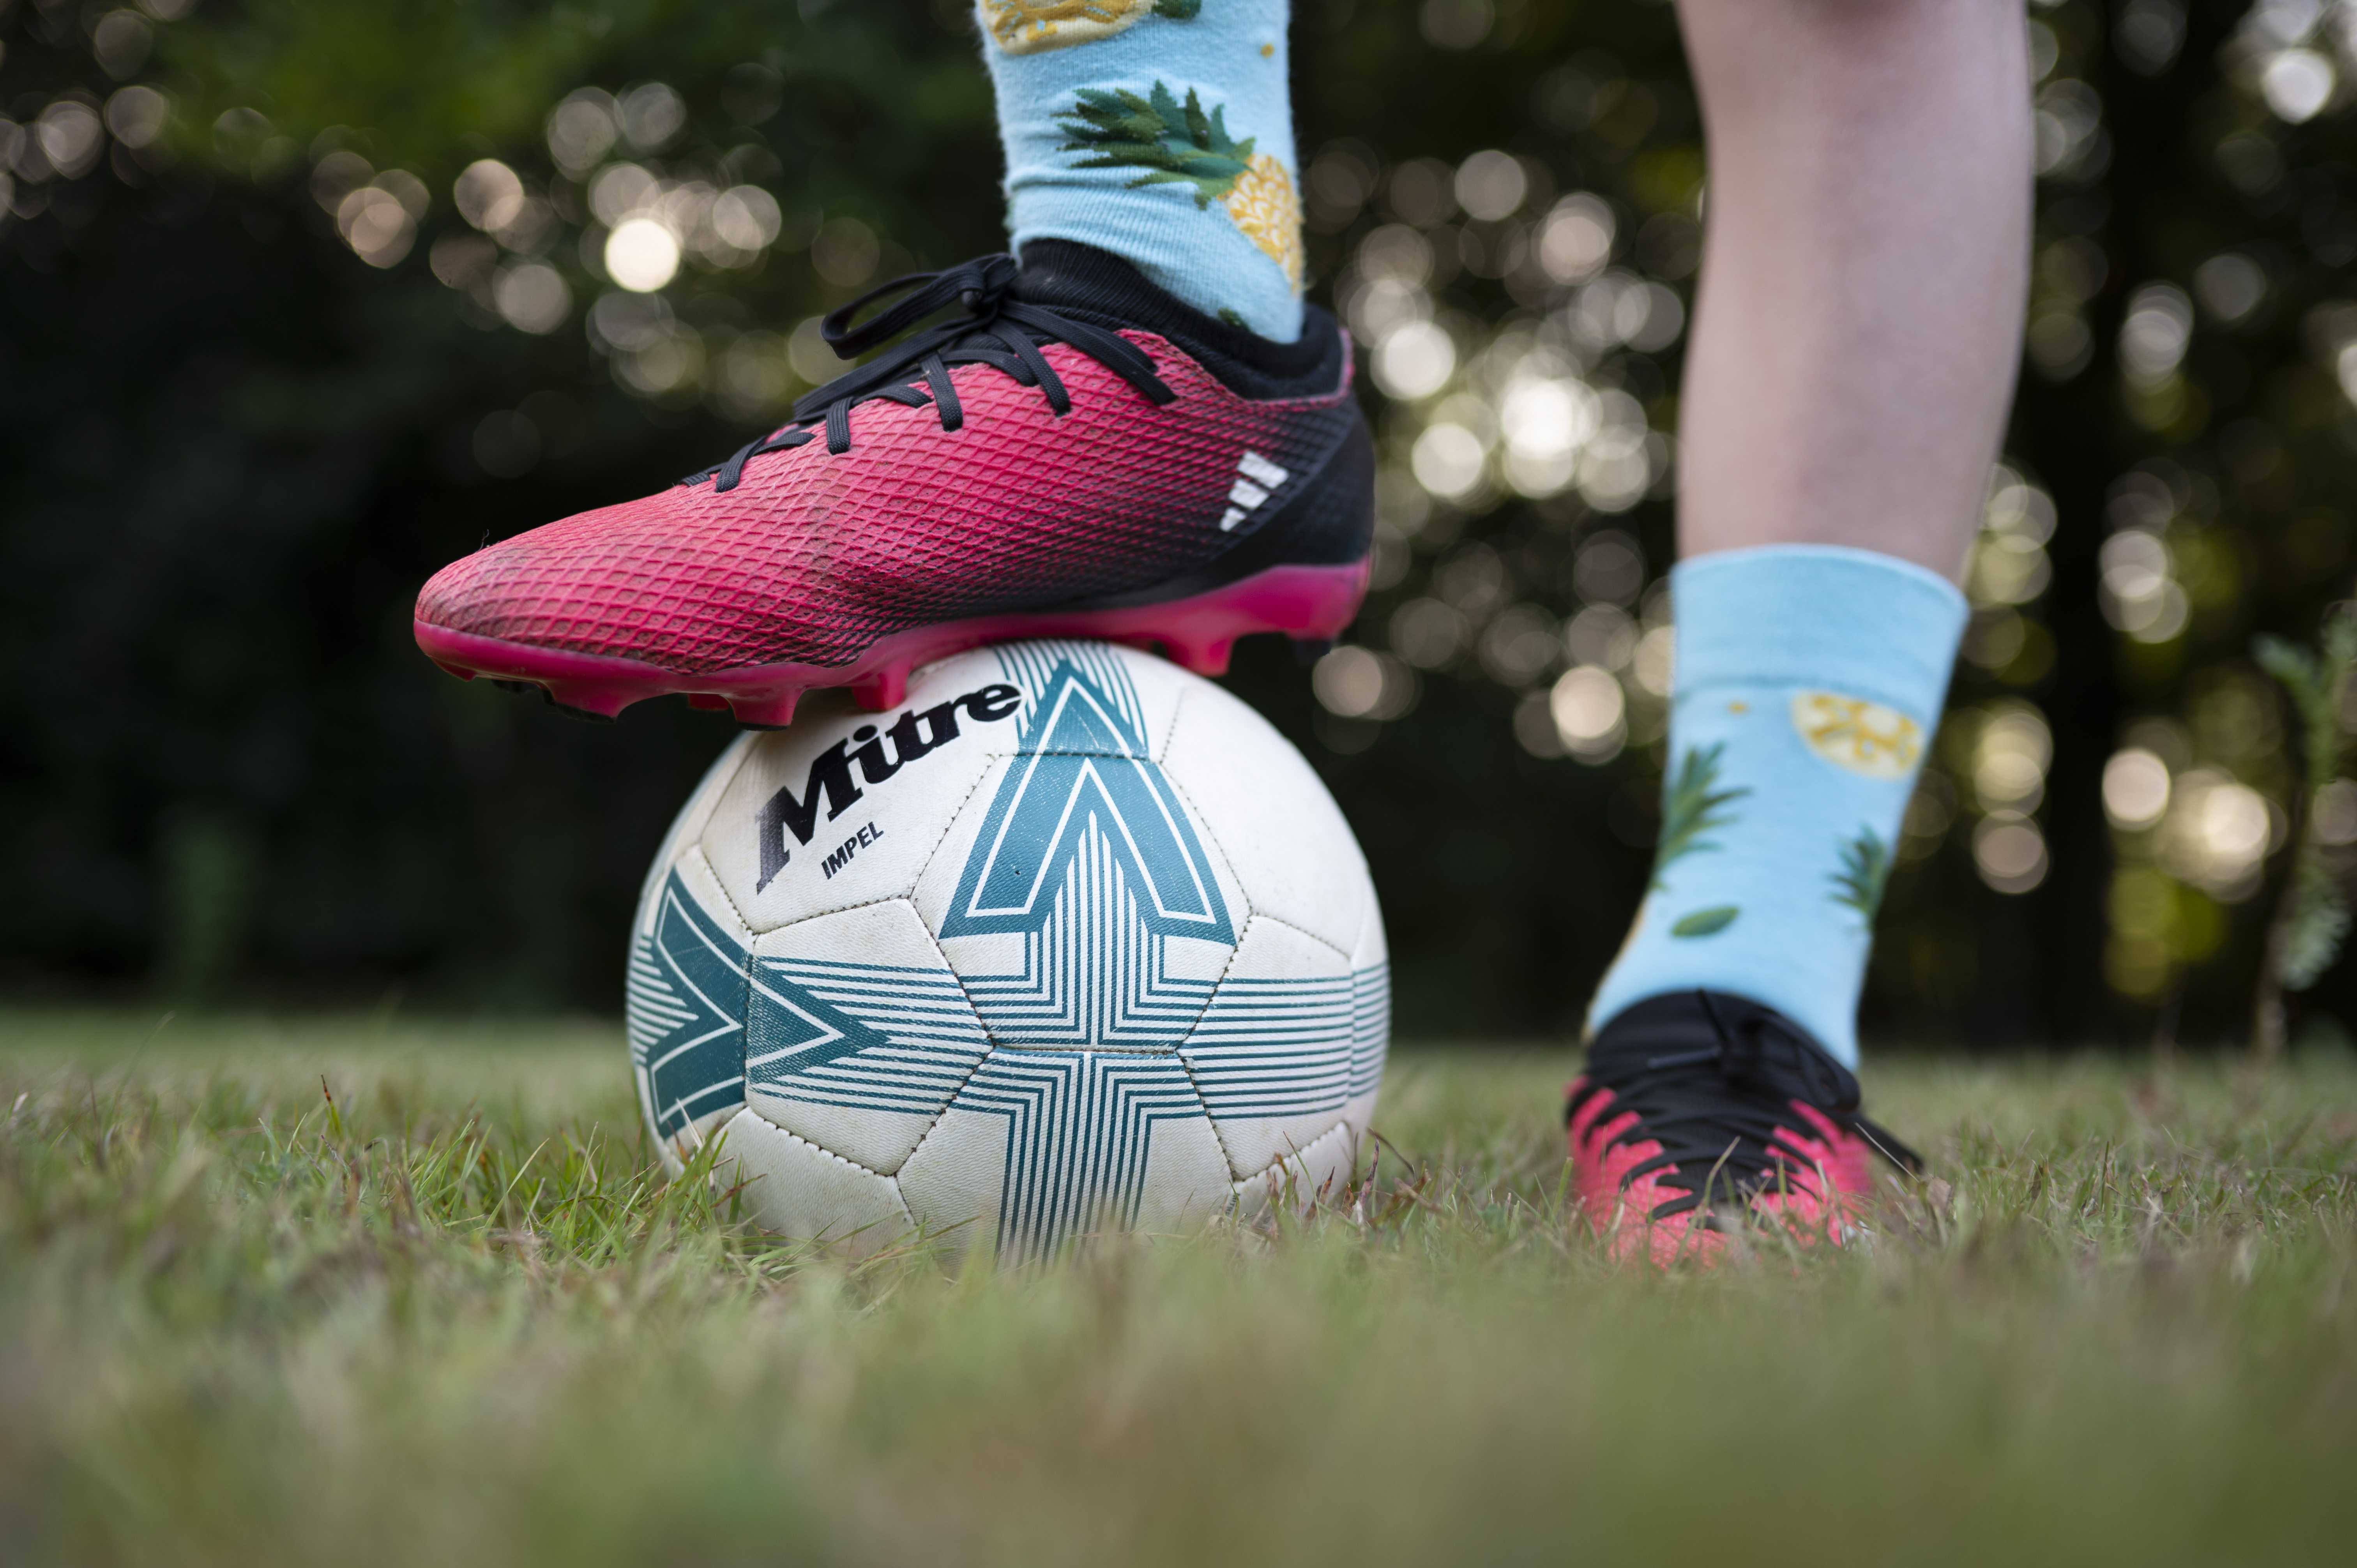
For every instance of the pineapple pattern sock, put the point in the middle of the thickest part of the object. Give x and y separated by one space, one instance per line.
1809 681
1161 130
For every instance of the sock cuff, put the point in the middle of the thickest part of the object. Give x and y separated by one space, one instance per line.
1856 621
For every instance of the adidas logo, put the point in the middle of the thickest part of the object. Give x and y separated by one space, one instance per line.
1256 478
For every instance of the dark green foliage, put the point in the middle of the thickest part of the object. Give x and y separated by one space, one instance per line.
2311 917
1173 145
230 451
2315 911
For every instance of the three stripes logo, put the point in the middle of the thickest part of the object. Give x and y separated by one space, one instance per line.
1257 478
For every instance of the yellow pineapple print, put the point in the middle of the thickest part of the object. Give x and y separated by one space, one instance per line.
1864 737
1264 207
1035 26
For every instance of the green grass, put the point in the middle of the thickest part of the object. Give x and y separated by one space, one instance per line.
449 1319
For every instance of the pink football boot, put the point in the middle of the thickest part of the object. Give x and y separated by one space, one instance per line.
1699 1111
1077 454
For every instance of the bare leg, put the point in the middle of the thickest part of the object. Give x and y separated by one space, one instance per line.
1854 351
1860 320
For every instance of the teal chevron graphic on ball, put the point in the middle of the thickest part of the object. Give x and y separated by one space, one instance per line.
1083 767
1073 940
686 1012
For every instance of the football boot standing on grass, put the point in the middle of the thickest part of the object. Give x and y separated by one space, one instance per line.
1136 430
1866 263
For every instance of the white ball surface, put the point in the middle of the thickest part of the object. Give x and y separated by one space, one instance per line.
1070 941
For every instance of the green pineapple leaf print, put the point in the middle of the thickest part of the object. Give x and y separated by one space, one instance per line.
1865 866
1690 808
1180 146
1706 922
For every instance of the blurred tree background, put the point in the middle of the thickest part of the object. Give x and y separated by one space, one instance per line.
303 300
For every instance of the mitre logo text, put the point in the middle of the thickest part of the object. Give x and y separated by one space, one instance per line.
912 735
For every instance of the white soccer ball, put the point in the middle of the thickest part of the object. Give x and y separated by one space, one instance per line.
1070 941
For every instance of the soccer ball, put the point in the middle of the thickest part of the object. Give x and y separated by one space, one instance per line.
1072 940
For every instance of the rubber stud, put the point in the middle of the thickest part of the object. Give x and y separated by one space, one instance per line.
570 712
1309 650
888 688
516 688
764 712
586 701
1203 658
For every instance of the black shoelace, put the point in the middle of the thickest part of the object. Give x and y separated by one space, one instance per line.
997 329
1715 1109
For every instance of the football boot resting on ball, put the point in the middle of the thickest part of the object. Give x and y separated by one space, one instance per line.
1700 1112
1077 454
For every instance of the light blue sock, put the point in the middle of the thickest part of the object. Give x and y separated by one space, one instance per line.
1159 130
1808 684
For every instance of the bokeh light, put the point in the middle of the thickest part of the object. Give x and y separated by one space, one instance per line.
533 296
2154 336
1519 645
2297 84
845 251
1456 23
1428 633
1414 360
641 254
746 218
2139 595
1590 713
652 115
2136 789
754 377
70 135
2231 285
1354 682
1575 239
2003 749
379 221
1490 184
1448 460
487 194
2217 833
808 354
119 42
137 114
2010 853
581 130
2335 814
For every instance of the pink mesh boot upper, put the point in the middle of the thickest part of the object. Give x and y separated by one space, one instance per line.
816 555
